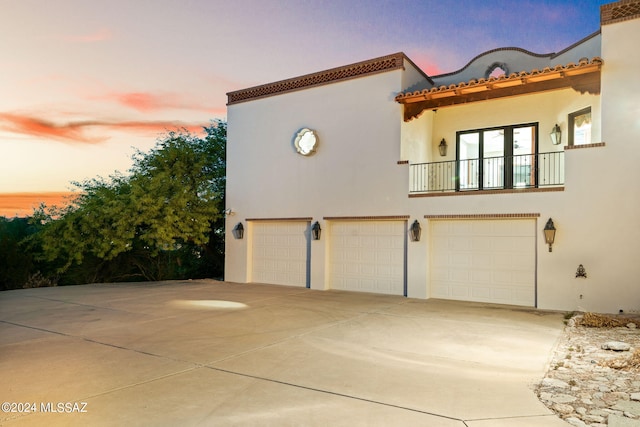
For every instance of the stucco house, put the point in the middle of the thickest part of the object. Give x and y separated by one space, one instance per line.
376 177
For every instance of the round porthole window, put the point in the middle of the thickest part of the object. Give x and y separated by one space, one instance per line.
306 142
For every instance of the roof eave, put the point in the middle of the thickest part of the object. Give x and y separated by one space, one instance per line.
580 77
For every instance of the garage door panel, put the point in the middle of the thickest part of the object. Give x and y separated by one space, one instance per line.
462 243
280 252
460 260
482 228
500 294
483 260
460 275
460 292
367 256
480 244
521 262
481 276
479 292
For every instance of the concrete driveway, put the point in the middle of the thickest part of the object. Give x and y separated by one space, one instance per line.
222 354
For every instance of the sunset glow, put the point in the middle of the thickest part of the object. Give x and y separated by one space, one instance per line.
78 100
23 204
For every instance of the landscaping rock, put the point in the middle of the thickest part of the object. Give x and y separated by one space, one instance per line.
627 406
575 422
554 382
563 398
618 421
585 386
563 408
616 346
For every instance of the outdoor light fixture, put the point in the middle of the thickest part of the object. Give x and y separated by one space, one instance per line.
316 230
549 233
443 148
415 231
556 135
238 231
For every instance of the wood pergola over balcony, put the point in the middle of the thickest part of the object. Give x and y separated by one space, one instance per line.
583 77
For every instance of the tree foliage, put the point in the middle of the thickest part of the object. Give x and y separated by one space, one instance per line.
16 265
162 220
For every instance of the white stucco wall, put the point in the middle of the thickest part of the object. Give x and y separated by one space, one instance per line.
416 138
612 190
353 172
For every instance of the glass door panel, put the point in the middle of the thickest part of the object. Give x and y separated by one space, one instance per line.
524 150
493 159
468 160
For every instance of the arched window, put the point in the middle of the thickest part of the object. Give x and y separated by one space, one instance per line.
496 70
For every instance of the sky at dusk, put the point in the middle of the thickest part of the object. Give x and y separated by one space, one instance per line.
83 84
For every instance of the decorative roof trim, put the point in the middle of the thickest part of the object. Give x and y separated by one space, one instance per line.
307 218
579 42
365 68
484 216
494 87
500 49
623 10
367 218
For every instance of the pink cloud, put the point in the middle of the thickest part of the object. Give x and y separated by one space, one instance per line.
147 102
76 132
97 36
33 126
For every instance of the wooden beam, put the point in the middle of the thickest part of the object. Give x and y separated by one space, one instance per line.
583 83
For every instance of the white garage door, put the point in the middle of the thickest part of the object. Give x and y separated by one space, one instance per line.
368 256
484 260
280 252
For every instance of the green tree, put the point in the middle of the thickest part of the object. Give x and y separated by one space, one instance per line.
163 220
16 265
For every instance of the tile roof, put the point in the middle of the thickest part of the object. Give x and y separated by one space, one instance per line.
481 89
514 79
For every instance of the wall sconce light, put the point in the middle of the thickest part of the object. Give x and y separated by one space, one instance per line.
549 233
556 135
443 148
581 272
415 231
316 230
238 231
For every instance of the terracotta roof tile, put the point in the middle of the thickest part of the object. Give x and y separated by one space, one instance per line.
522 77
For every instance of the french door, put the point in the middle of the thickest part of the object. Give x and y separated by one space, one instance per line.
497 158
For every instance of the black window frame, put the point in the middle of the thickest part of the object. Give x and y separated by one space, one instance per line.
508 155
572 123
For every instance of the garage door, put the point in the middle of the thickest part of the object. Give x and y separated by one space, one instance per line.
484 260
368 256
280 252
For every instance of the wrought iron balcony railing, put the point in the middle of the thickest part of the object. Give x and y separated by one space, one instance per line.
521 171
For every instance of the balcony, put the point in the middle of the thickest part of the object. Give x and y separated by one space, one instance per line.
493 173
